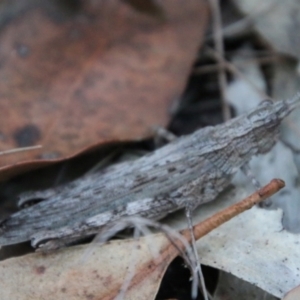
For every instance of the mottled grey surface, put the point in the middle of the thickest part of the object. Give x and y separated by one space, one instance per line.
185 173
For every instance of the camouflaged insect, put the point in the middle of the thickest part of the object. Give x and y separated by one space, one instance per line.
188 172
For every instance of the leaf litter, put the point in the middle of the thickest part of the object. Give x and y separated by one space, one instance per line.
274 259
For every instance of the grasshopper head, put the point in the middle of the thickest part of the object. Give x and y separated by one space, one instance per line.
265 115
265 121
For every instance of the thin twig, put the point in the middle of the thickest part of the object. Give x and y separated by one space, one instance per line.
246 24
225 215
131 269
11 151
232 68
212 68
198 269
179 243
219 45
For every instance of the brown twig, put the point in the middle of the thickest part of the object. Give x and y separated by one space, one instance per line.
172 248
225 215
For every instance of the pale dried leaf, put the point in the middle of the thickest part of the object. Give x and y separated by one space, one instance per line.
253 246
294 294
231 287
88 272
277 21
281 161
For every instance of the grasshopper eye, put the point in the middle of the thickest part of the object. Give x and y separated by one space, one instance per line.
266 102
264 115
271 119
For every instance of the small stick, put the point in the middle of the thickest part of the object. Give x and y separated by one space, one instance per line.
234 70
219 45
198 269
11 151
225 215
215 221
220 218
178 243
213 68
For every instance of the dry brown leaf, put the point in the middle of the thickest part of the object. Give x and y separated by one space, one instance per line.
107 72
10 171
